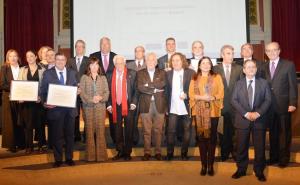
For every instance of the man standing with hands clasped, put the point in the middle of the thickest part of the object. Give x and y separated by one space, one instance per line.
251 100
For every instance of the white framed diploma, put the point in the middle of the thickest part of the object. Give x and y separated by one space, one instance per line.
62 95
24 90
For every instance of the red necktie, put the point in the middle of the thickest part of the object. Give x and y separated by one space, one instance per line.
119 89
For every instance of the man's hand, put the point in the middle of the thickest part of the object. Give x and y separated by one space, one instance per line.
49 106
183 96
78 90
109 109
292 108
132 107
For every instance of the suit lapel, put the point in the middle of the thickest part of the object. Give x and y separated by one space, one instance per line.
54 75
222 73
268 73
278 67
256 91
245 89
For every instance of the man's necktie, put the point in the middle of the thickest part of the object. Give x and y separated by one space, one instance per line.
61 78
272 70
250 93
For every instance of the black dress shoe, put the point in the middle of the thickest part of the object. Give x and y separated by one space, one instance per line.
158 157
127 158
282 164
224 158
238 175
184 157
118 156
210 170
203 170
146 157
70 162
261 177
272 161
57 164
169 157
13 149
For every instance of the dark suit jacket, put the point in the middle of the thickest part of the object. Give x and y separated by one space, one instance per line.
161 61
187 76
83 66
130 64
261 104
259 64
111 65
284 87
146 92
50 77
235 75
132 93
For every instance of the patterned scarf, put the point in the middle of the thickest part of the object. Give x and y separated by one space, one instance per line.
203 124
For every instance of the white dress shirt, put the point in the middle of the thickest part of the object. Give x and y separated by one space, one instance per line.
137 62
224 67
151 74
15 71
64 74
177 104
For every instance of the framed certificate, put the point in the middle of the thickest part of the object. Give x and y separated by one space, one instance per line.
24 90
62 95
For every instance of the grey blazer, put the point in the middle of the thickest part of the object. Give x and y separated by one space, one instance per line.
132 65
235 75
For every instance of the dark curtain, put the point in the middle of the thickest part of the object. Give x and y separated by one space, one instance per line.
28 25
286 28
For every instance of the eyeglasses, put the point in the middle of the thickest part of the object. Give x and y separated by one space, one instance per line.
272 50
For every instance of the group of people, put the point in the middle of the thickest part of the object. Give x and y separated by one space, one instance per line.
165 93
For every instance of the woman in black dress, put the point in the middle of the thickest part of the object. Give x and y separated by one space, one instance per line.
30 112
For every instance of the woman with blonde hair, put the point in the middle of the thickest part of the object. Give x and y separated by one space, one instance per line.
12 132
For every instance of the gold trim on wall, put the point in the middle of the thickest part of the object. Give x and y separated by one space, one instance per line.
65 14
253 12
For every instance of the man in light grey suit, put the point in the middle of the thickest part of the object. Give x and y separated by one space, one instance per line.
171 49
137 64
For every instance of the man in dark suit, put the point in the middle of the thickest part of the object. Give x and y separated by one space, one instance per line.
61 119
137 65
247 54
105 56
178 82
163 62
79 64
121 105
281 75
230 73
151 85
251 100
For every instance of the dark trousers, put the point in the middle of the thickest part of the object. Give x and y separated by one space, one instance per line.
280 137
207 146
124 137
62 129
18 130
226 139
112 128
136 134
242 144
174 121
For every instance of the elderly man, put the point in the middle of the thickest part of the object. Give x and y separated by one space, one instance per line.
281 75
105 56
197 52
151 85
121 105
230 73
163 62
